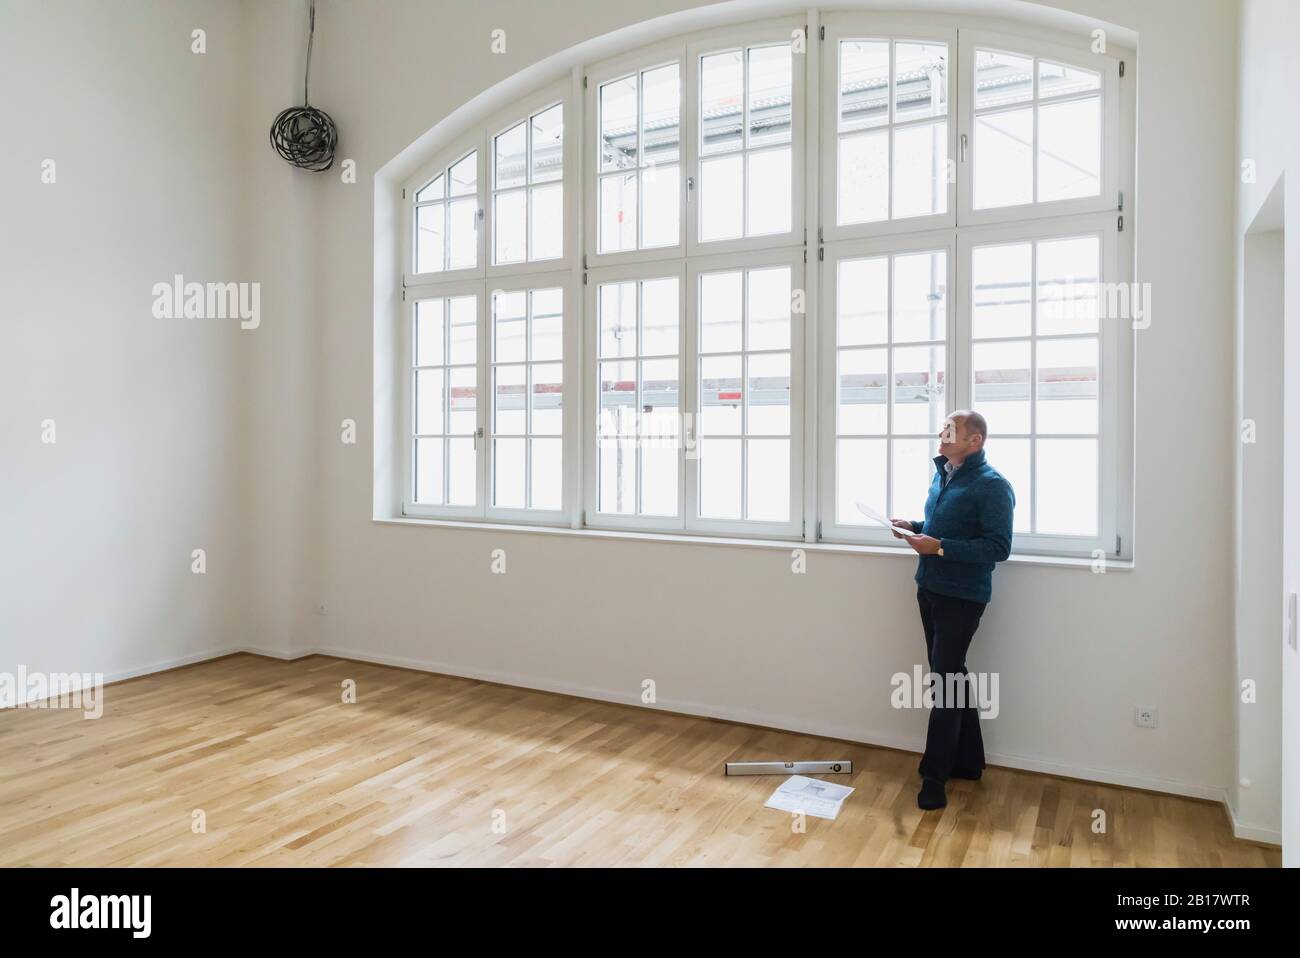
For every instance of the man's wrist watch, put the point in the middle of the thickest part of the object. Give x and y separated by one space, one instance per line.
940 552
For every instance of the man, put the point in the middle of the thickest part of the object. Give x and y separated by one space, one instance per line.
966 531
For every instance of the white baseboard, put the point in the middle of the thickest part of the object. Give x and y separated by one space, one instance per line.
860 736
1256 833
765 719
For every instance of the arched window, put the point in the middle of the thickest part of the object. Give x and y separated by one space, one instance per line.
732 283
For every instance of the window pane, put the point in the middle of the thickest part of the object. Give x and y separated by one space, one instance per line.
660 399
510 151
509 470
661 115
462 245
462 395
721 396
548 145
769 308
461 472
1002 78
863 194
618 212
920 170
464 329
1001 385
1069 150
618 319
722 80
510 415
463 176
913 469
428 401
720 478
548 324
770 94
769 394
862 392
768 192
722 185
920 304
1004 159
1011 458
659 320
1068 274
859 474
920 80
1067 385
429 332
659 482
862 301
661 222
435 190
1000 278
546 474
617 399
547 222
768 480
1056 79
618 459
720 308
509 325
429 251
864 84
511 220
547 399
1067 486
918 389
618 139
428 471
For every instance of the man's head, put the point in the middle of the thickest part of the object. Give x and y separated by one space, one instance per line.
963 433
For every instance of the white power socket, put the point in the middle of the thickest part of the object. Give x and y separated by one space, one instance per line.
1145 716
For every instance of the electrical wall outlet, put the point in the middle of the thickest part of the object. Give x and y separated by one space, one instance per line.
1144 716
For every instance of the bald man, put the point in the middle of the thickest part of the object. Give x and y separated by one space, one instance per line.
966 531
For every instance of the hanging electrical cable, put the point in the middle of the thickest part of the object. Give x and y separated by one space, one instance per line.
304 135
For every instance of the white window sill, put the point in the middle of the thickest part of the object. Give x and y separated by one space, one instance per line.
785 545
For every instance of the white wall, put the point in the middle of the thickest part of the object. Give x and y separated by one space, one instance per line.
1267 136
98 528
730 631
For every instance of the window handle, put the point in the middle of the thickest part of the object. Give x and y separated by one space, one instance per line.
963 147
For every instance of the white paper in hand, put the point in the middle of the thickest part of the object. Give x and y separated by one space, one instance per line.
877 518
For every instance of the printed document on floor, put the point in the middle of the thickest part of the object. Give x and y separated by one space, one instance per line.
798 793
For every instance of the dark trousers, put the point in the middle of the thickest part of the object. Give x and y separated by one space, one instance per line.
953 740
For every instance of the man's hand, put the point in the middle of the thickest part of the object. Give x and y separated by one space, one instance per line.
925 545
900 522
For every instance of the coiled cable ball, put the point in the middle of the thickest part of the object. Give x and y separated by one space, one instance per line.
306 137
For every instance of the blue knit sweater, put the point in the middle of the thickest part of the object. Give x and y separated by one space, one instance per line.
971 514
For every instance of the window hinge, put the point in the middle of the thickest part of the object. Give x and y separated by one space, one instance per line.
1118 544
403 294
584 262
1121 68
584 83
819 531
584 277
1121 201
403 192
1121 222
821 254
823 32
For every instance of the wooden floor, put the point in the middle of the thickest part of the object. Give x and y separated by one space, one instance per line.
433 770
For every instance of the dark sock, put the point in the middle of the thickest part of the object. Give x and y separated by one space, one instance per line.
932 795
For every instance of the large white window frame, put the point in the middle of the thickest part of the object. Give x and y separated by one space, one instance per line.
813 260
